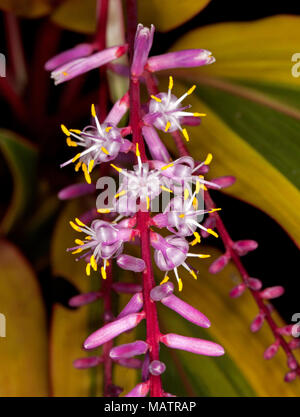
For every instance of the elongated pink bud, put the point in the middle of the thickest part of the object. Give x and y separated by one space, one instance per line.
142 45
285 330
140 390
118 110
133 363
128 350
238 290
271 292
161 291
76 190
219 264
209 223
294 344
187 58
131 263
272 350
157 367
224 182
126 287
242 247
186 310
82 299
79 51
257 322
133 306
290 376
191 344
292 363
192 121
112 330
156 147
254 284
84 363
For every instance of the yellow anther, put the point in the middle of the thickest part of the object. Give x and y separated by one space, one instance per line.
193 274
75 227
166 279
77 251
171 83
214 209
108 128
196 240
208 159
202 186
212 232
120 193
148 202
185 134
93 110
166 167
166 189
198 187
88 237
137 151
93 263
104 150
76 157
107 263
65 130
70 142
75 131
79 222
190 91
116 168
86 174
91 165
186 194
203 255
199 114
181 215
88 269
103 210
156 98
180 284
65 73
103 272
168 125
79 242
77 166
195 203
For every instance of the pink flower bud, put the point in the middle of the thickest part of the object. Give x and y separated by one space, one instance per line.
79 51
133 363
191 344
131 263
292 363
145 367
156 147
290 376
187 58
254 284
225 181
242 247
76 190
126 287
128 350
112 330
257 323
140 390
219 264
118 110
161 291
82 299
238 290
209 223
272 350
157 367
186 310
133 306
285 330
271 292
142 45
294 344
84 363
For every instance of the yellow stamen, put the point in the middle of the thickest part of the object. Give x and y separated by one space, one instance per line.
181 215
137 151
91 164
156 99
199 114
214 209
171 83
93 263
70 142
196 240
185 134
190 91
93 110
103 272
168 125
103 210
195 203
148 202
166 279
208 159
180 285
79 242
193 274
198 187
75 227
76 157
65 73
75 131
77 251
212 232
166 167
186 194
88 237
116 168
108 128
77 166
88 269
79 222
86 174
203 255
120 193
104 150
65 130
166 189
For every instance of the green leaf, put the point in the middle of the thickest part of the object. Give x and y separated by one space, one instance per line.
242 371
21 157
28 8
252 103
24 350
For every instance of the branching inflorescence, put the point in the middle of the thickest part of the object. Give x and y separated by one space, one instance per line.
127 217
